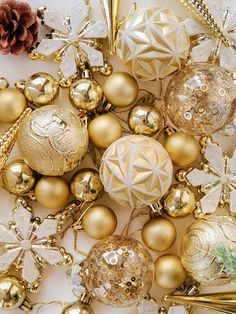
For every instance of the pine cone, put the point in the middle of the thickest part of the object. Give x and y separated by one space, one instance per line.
18 27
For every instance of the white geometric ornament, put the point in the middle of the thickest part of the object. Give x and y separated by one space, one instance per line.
148 306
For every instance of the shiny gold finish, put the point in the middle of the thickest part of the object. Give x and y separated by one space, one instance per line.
3 83
78 308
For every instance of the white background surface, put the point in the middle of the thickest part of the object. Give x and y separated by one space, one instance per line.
55 285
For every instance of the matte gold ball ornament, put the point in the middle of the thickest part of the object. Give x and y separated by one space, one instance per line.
78 308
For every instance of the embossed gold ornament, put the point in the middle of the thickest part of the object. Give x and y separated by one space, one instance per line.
53 140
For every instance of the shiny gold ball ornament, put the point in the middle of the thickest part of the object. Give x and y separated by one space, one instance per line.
182 148
18 178
200 98
179 201
121 89
158 234
86 94
86 185
78 308
53 140
136 170
104 130
52 192
99 221
152 43
169 271
123 266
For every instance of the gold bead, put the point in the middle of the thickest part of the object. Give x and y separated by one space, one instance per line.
12 105
158 234
121 89
52 192
18 178
99 221
182 148
104 130
78 308
169 271
179 201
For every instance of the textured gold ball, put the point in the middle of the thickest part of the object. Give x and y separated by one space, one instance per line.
86 94
12 293
52 192
169 271
41 89
179 201
182 148
86 185
104 130
121 89
158 234
78 308
18 178
12 104
99 221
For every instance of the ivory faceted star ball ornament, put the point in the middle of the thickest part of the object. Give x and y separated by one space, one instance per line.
136 170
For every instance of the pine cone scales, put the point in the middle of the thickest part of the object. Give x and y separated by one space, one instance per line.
18 27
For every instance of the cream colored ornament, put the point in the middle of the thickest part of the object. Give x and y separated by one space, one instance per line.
153 43
136 170
53 140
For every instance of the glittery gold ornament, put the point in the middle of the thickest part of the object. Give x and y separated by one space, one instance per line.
53 140
200 98
152 43
199 248
136 170
78 308
123 266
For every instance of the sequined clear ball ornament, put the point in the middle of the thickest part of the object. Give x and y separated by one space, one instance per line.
200 98
118 271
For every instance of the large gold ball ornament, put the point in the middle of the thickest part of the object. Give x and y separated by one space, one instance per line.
78 308
200 98
121 89
12 293
86 185
18 178
152 43
104 130
86 94
123 266
136 170
158 234
179 201
99 221
52 192
12 104
53 140
182 148
169 271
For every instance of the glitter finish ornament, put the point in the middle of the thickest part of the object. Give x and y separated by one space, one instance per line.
152 43
118 271
136 170
199 98
53 140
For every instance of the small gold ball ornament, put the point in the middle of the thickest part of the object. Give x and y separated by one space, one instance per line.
121 89
169 271
104 130
99 221
78 308
182 148
158 234
18 178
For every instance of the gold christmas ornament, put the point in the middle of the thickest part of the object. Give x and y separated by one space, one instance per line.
121 89
200 98
52 192
78 308
179 201
169 272
182 148
18 178
123 266
86 185
136 170
99 221
199 248
158 234
53 140
104 130
152 43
